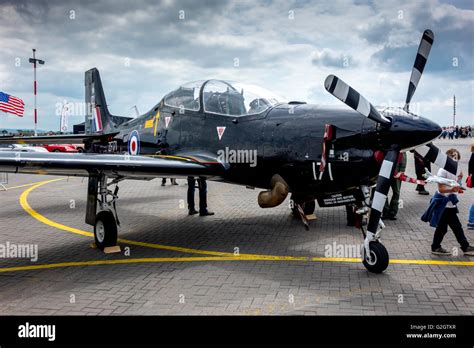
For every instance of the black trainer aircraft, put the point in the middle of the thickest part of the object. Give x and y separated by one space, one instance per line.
245 135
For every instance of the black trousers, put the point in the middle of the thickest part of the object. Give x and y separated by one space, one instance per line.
391 209
449 218
202 186
420 165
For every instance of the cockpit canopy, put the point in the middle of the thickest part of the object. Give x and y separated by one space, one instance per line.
222 98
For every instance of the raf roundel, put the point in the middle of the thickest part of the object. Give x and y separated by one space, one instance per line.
134 143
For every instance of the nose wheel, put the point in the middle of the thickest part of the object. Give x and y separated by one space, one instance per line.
378 260
105 230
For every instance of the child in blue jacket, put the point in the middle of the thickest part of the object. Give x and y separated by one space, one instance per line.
443 212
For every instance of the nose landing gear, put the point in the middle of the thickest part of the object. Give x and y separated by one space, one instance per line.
375 256
378 260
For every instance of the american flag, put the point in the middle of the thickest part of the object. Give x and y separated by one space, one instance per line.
11 104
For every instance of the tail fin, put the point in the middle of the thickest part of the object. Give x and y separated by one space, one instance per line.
98 118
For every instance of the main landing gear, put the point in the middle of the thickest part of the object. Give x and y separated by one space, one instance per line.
105 222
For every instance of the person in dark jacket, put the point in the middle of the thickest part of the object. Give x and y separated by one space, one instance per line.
444 212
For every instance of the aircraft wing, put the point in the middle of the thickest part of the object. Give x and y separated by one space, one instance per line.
114 166
55 139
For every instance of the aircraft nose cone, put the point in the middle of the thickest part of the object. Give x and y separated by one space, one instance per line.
410 130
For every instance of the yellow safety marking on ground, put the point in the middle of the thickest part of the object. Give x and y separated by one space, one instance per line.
111 262
24 185
201 259
26 206
223 256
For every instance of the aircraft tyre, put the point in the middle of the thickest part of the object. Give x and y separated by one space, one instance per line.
105 230
379 259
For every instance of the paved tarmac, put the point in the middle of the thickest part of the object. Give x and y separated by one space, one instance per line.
243 261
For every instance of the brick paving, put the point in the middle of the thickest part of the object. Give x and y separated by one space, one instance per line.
154 214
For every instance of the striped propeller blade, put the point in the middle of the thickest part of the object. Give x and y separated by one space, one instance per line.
419 66
381 190
433 154
353 99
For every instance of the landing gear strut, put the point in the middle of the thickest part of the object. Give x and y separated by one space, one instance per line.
105 222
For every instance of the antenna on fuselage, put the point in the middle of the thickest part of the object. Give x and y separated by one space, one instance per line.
137 113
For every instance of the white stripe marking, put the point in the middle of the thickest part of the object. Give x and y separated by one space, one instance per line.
330 171
379 201
425 48
364 106
415 77
441 160
342 90
386 169
422 150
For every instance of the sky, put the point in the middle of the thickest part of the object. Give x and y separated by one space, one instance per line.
144 49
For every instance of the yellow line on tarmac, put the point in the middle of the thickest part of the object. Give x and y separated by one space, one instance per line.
221 256
26 206
25 185
111 262
192 259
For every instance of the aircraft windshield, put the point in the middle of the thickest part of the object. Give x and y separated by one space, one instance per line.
236 99
223 97
185 97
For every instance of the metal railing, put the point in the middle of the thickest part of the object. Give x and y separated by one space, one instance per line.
3 181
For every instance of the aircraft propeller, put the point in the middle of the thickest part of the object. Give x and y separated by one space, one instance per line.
420 61
348 95
356 101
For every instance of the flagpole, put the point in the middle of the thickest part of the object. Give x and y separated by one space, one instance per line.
34 89
34 61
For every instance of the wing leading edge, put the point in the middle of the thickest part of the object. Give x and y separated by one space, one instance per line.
55 139
114 166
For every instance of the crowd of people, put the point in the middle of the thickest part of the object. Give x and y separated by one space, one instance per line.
455 132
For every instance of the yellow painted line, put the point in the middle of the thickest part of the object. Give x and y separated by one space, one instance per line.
26 206
194 259
222 256
24 185
433 262
110 262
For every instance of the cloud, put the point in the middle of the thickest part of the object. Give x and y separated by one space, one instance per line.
329 58
143 50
